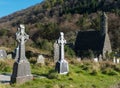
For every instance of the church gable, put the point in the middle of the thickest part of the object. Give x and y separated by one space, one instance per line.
97 41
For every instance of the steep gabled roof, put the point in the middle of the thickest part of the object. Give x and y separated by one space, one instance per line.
89 40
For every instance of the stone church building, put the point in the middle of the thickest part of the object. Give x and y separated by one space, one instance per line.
96 41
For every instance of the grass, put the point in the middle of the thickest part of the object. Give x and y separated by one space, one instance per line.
86 74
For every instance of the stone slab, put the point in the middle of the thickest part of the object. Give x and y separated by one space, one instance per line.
62 67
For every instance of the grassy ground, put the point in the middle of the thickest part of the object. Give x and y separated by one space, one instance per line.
86 74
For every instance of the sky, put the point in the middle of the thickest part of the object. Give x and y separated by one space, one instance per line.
10 6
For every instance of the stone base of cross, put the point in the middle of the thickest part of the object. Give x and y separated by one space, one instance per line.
23 72
62 67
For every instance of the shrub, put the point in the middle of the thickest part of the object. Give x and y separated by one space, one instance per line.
117 68
109 71
94 72
53 75
5 67
91 67
69 52
104 65
32 60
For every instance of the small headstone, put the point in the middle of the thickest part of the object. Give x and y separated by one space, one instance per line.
9 56
62 64
56 52
79 59
118 61
21 69
114 60
3 54
100 57
16 53
95 59
41 59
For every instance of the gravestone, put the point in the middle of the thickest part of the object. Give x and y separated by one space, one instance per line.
3 54
114 60
56 52
41 59
79 59
61 64
100 57
9 56
21 69
16 51
95 59
118 61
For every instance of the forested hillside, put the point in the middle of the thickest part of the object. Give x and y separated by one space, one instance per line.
44 21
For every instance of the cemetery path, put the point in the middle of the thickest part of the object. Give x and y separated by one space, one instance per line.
5 78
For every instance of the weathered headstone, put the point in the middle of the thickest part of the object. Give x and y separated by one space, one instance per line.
56 52
114 60
3 54
79 59
16 51
100 57
118 61
9 56
41 59
62 64
21 69
95 59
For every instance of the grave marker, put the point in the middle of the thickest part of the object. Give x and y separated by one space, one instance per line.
56 52
62 64
21 69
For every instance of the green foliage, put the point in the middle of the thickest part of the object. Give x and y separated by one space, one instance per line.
44 44
32 60
53 74
85 74
4 67
82 22
69 52
3 32
95 24
48 31
109 71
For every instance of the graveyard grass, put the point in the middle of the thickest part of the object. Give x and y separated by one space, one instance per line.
85 74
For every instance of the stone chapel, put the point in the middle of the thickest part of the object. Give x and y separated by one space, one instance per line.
97 41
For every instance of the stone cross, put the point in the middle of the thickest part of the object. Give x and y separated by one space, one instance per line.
22 37
21 69
61 42
62 64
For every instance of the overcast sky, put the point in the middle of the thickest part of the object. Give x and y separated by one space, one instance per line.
9 6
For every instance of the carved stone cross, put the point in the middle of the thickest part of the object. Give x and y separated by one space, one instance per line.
62 64
61 42
22 37
21 69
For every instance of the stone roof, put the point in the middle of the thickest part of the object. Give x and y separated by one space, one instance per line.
89 40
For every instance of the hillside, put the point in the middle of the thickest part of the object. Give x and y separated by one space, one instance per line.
44 21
